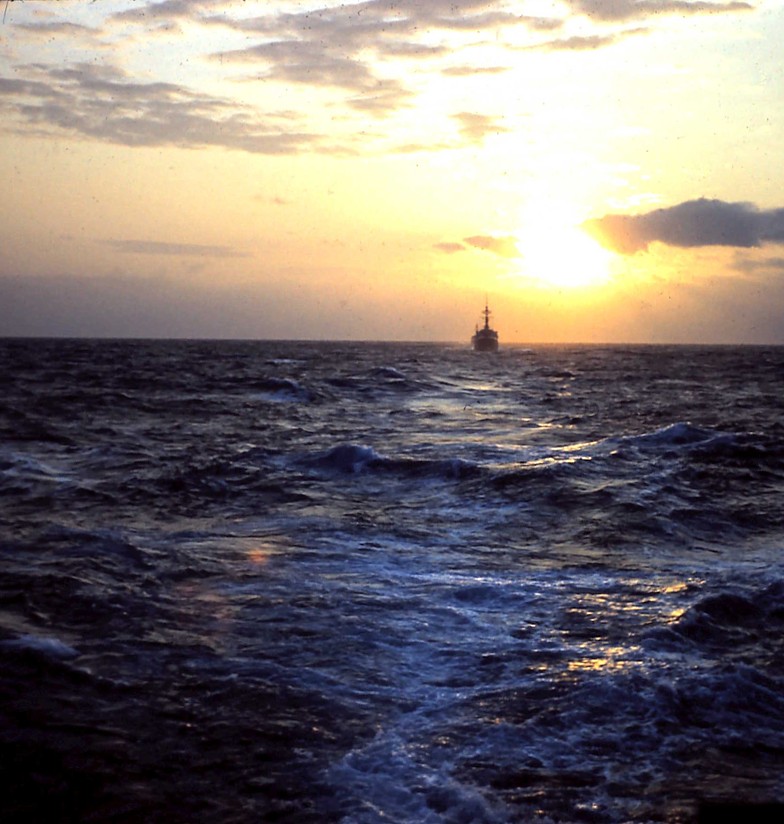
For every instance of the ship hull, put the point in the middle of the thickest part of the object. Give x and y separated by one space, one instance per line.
484 343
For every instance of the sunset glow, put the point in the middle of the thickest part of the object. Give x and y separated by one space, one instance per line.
366 170
563 257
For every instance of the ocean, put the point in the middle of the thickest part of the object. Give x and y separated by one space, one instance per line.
360 583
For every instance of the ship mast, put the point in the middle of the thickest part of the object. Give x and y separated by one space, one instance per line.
486 313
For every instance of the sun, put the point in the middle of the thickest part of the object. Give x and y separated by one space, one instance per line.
557 253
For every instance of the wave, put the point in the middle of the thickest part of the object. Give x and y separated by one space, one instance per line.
25 426
688 439
22 474
380 379
41 646
248 478
727 623
283 390
688 468
110 545
353 459
676 438
347 458
389 373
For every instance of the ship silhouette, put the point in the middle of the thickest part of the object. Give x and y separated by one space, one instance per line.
485 339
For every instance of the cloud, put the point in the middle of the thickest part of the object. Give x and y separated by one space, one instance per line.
301 62
166 10
104 103
503 246
324 63
693 223
473 71
769 266
476 127
449 248
587 42
297 61
414 148
362 50
473 129
152 247
622 10
56 27
346 46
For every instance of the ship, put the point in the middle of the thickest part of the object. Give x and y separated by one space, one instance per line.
485 339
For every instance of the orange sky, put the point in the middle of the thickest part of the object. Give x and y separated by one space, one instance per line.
602 170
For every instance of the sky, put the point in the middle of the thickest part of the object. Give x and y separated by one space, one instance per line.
600 171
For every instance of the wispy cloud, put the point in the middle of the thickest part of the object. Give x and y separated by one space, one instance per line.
104 103
476 127
450 248
505 246
372 54
694 223
473 71
55 27
766 266
348 46
166 10
587 42
154 247
623 10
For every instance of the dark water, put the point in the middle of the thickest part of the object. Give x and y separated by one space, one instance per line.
298 582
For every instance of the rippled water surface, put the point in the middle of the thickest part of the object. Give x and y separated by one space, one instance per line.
304 582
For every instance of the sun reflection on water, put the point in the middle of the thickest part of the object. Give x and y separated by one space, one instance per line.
593 626
612 659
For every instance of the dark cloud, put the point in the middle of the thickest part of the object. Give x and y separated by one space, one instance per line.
693 223
153 247
503 246
622 10
102 102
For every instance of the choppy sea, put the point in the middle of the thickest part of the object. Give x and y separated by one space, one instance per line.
360 583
